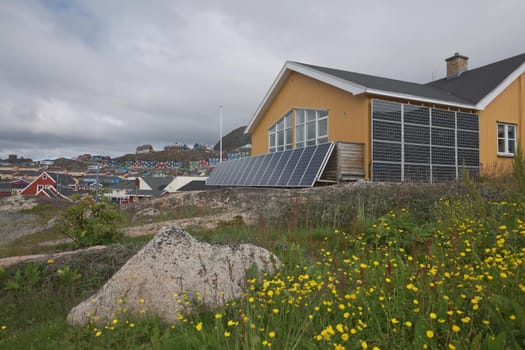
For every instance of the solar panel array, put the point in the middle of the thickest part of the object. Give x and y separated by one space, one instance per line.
418 143
300 167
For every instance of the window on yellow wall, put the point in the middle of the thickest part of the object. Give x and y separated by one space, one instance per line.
311 127
506 139
281 134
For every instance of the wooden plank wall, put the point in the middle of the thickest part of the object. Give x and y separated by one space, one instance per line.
350 161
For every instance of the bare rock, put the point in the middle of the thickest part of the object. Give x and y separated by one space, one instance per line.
145 214
173 273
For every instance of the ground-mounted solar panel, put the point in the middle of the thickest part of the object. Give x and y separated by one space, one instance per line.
259 170
290 167
268 167
279 168
317 164
300 167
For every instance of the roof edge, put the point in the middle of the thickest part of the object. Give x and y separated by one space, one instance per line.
285 72
419 98
485 101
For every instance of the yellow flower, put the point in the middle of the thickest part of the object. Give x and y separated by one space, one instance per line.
455 328
430 334
271 334
98 334
141 301
198 327
394 321
344 336
275 311
408 324
364 345
433 315
451 347
227 334
465 319
115 321
4 327
131 325
217 315
51 261
512 317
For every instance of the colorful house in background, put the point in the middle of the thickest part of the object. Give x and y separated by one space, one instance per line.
50 185
408 131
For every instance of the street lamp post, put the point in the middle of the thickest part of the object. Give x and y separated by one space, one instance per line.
220 136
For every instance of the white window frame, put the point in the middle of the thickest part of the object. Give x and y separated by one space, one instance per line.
280 128
39 188
320 115
506 140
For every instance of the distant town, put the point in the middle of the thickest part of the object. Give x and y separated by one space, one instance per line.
133 177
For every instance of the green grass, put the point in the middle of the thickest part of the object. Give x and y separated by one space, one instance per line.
448 278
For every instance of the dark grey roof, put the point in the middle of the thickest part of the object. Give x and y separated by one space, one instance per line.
63 179
473 85
157 184
391 85
5 186
195 185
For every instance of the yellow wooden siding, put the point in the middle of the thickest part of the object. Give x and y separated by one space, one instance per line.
506 108
348 115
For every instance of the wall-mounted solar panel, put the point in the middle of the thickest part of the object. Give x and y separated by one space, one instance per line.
300 167
418 143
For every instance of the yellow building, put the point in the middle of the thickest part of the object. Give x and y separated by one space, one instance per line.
410 131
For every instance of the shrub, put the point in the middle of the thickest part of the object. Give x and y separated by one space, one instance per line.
90 223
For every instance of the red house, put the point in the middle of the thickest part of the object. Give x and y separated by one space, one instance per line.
46 185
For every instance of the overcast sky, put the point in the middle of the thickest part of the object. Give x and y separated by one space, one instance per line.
102 77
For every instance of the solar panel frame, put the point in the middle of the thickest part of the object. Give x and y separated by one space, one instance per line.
248 181
259 170
267 170
237 170
318 161
279 167
272 167
300 167
287 172
299 170
247 165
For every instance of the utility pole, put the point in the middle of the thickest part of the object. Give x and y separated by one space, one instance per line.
220 137
96 189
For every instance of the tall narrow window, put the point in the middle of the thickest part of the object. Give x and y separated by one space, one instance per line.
281 134
506 139
311 127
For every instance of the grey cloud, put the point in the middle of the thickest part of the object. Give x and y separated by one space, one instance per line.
132 72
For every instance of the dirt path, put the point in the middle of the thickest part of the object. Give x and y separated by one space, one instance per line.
5 262
203 222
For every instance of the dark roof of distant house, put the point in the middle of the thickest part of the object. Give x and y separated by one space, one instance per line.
157 184
5 186
195 185
63 179
473 85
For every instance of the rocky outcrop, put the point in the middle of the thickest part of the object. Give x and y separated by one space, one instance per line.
172 274
145 214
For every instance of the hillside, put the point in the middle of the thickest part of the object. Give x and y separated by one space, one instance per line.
161 156
233 140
